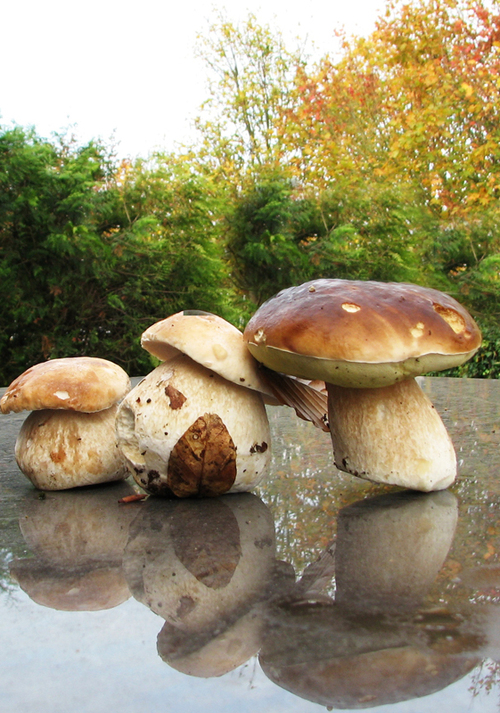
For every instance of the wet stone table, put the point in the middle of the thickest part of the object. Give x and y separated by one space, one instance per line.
318 590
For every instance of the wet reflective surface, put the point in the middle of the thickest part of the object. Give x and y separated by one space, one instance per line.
317 590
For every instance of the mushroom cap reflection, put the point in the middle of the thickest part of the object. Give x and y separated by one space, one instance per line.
211 653
78 539
323 656
196 563
390 549
84 589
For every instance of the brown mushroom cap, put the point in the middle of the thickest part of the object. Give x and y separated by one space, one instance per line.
85 384
361 334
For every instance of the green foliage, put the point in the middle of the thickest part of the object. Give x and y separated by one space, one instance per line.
90 256
337 172
265 231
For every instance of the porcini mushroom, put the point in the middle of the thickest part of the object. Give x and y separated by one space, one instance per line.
69 438
210 341
367 341
218 345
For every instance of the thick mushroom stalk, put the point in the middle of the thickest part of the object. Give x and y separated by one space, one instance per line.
391 435
188 432
58 449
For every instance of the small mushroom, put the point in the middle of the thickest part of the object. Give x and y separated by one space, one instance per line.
210 341
69 438
367 341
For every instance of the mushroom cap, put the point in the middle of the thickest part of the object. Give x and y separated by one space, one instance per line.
361 334
208 340
215 654
73 383
102 586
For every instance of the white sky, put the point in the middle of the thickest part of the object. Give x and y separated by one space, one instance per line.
123 69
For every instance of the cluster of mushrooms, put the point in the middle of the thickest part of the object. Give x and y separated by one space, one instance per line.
344 354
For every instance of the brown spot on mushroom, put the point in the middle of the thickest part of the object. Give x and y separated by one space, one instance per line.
259 447
177 399
186 606
454 319
203 461
213 550
58 456
263 543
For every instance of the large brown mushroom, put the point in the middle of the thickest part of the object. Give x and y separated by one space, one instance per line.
69 438
367 341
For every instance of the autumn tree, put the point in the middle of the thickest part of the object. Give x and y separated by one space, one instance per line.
250 86
91 255
416 102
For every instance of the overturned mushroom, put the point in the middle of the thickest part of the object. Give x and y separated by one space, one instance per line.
367 341
69 438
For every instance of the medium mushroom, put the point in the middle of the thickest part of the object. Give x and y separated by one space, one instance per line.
367 341
216 344
197 425
69 438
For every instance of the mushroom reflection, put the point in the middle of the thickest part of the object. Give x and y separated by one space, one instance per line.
390 549
204 566
482 586
378 642
78 540
321 654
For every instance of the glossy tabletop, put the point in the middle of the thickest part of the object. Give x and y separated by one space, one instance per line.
317 590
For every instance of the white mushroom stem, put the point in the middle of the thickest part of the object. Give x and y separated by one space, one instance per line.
187 431
58 449
391 435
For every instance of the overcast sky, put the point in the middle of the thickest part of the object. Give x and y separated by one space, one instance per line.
122 69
